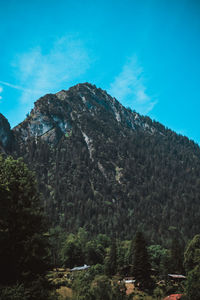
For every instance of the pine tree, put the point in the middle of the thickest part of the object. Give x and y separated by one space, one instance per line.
141 265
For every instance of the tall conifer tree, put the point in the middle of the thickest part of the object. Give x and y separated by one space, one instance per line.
141 264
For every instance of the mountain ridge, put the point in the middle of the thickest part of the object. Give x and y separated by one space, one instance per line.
133 119
106 168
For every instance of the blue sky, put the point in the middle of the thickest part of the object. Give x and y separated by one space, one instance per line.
146 53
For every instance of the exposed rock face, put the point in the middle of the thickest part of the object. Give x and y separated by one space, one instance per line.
47 121
53 115
5 134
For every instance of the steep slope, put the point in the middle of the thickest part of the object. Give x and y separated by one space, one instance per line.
5 134
105 167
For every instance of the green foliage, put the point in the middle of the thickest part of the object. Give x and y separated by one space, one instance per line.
57 236
141 264
192 254
192 266
81 286
16 292
93 253
103 240
193 284
96 270
101 288
38 289
111 260
123 253
91 286
78 249
158 293
158 256
71 253
24 248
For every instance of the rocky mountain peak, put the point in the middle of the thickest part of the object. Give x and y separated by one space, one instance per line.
53 114
105 167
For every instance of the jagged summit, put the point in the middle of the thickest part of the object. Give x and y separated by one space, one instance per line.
84 85
53 114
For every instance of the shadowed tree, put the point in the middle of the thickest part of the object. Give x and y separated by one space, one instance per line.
111 260
23 245
176 257
141 265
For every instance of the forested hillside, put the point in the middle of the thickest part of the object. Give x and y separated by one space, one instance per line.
106 168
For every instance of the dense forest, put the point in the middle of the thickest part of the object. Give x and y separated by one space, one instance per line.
107 169
86 181
30 249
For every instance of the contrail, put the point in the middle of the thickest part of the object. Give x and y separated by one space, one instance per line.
17 87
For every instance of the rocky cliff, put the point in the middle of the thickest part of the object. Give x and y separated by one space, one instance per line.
53 115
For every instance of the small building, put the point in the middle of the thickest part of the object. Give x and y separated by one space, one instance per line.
85 267
129 280
177 277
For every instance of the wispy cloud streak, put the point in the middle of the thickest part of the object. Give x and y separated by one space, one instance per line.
17 87
40 71
129 88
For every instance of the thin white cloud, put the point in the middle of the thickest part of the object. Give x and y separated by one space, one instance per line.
40 71
17 87
129 88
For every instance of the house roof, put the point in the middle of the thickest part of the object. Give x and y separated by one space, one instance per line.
80 268
173 297
177 276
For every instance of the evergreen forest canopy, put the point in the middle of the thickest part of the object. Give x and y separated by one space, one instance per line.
107 169
29 249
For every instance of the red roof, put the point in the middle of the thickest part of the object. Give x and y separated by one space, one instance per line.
173 297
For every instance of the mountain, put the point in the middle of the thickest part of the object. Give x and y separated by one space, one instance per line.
106 168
